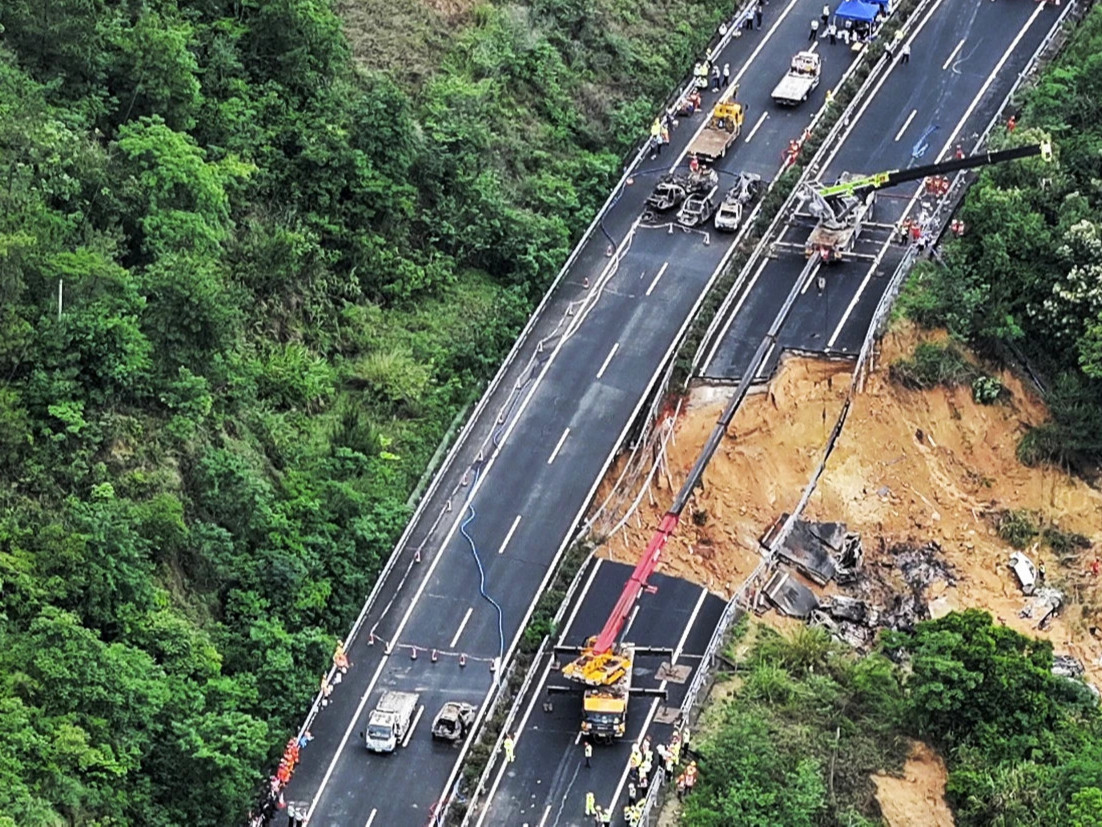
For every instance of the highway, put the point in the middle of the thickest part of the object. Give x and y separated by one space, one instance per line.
966 55
965 58
548 781
527 464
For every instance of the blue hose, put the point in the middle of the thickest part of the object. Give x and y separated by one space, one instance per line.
471 514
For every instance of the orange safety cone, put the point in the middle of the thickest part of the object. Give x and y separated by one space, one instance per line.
434 656
462 659
413 653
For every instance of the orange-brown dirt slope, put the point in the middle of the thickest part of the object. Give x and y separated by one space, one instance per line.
917 799
909 467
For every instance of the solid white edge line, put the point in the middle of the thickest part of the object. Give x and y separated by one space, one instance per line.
413 726
906 123
535 695
509 535
757 126
546 813
661 686
371 818
558 446
448 537
952 137
608 359
661 270
735 80
952 54
462 626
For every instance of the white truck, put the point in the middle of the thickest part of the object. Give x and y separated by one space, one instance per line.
390 720
800 81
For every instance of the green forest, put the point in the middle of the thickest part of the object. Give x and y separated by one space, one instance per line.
809 722
1024 284
253 262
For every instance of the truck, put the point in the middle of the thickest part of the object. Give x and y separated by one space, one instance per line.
800 80
605 708
390 720
719 133
841 217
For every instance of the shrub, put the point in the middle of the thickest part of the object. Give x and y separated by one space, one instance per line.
932 365
1017 527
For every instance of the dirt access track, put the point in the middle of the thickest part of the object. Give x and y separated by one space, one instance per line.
909 467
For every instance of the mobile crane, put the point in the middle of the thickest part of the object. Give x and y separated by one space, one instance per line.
842 208
603 665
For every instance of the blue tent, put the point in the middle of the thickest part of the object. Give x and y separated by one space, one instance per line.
857 11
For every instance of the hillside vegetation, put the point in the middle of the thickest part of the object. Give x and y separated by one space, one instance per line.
809 723
1026 278
280 278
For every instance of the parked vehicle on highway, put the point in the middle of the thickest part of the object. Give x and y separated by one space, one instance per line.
390 721
745 192
674 188
800 80
453 721
719 133
605 708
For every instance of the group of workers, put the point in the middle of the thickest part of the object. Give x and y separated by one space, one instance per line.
642 764
271 800
855 32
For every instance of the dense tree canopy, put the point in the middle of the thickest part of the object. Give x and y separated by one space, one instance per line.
1027 276
280 277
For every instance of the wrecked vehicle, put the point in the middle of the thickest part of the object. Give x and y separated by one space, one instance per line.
1026 572
741 195
453 721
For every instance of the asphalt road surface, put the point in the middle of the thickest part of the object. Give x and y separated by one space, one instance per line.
965 58
528 488
547 783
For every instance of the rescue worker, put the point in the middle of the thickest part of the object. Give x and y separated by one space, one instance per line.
656 138
690 776
636 758
826 14
681 787
715 78
726 75
958 153
590 804
832 33
1011 124
759 10
648 753
633 793
605 818
508 745
814 31
905 54
588 752
694 167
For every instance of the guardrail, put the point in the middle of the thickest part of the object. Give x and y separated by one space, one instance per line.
946 205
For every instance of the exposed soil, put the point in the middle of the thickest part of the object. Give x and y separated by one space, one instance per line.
918 798
910 467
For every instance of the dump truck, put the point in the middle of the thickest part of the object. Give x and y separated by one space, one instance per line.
390 720
800 80
719 133
605 707
453 721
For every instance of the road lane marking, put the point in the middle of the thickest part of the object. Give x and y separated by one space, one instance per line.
735 80
371 818
631 619
604 364
509 535
952 55
765 361
661 270
918 193
757 126
906 123
518 731
608 272
462 626
413 726
875 89
546 813
661 686
558 446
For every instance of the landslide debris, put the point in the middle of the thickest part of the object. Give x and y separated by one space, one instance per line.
922 472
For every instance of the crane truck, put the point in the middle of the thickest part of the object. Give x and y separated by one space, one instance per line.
843 208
